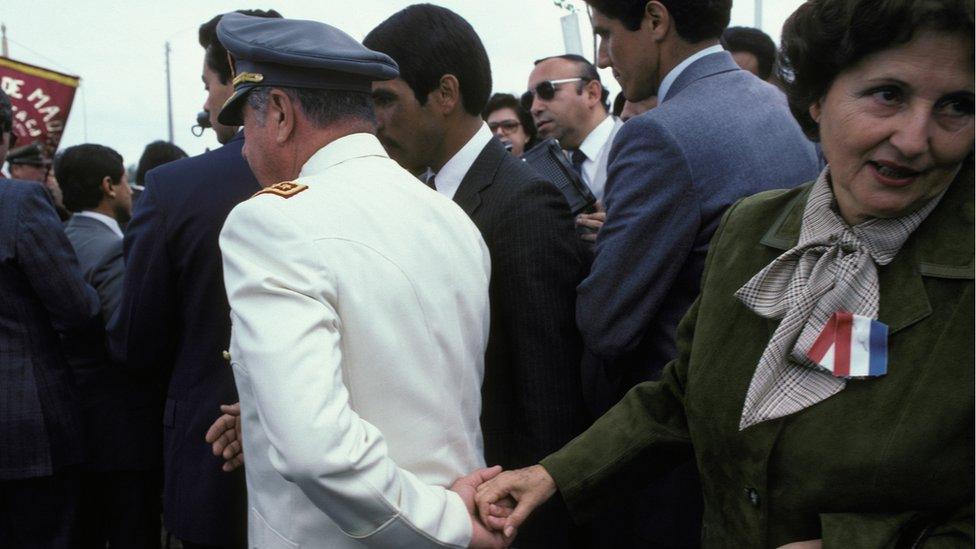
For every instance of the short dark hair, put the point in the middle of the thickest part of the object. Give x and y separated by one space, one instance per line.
428 42
508 101
695 20
216 55
80 171
753 41
824 37
587 71
322 107
155 154
6 114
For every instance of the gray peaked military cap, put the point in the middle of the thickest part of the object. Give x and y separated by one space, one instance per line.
296 54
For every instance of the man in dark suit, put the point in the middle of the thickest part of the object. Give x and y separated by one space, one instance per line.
175 321
42 294
429 118
121 411
718 135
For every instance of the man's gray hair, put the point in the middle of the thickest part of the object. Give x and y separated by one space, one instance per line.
322 107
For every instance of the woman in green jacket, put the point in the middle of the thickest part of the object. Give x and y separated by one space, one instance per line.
825 376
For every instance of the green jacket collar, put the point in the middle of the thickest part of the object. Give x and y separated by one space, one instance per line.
941 247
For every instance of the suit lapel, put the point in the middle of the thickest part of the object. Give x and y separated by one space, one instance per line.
480 175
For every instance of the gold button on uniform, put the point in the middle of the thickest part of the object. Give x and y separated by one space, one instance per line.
226 355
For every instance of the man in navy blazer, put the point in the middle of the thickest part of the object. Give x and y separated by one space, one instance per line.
175 321
42 295
718 135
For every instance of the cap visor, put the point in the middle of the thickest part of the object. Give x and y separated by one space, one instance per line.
230 113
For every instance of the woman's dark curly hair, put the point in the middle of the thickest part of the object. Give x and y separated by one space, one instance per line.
500 101
825 37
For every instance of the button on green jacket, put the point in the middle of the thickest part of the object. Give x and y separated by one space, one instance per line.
887 461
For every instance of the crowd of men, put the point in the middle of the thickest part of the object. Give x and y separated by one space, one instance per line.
364 296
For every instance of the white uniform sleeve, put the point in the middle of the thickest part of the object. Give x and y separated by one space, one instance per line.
287 335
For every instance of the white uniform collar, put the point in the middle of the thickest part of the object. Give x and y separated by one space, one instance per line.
449 178
107 220
356 145
662 90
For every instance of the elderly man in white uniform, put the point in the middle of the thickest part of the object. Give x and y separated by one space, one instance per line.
359 303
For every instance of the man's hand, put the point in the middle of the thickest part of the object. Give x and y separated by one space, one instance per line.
592 222
466 487
225 436
529 488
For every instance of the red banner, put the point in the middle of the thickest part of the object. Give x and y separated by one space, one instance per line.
41 100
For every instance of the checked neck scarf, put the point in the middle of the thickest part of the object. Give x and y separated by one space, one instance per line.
832 268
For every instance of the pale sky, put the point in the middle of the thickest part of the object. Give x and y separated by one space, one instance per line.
117 49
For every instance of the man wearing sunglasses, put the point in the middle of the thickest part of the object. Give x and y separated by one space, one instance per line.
569 103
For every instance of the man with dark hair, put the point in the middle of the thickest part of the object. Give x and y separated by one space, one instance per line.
752 49
120 411
569 103
174 322
429 117
718 135
217 72
42 296
359 301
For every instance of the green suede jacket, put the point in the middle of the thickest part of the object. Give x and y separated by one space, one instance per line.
886 462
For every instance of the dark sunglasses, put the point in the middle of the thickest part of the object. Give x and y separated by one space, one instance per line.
546 90
507 126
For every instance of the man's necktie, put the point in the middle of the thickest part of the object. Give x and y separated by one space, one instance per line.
430 182
577 158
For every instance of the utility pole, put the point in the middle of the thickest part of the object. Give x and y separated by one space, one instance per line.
759 12
169 96
3 41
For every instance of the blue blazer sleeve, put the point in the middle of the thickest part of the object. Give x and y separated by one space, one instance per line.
141 333
47 259
653 216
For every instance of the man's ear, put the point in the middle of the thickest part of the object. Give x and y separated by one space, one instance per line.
594 92
107 187
657 20
447 94
282 114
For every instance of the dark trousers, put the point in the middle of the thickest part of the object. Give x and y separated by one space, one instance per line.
40 512
122 509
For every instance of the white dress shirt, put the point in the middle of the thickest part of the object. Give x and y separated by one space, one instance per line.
449 178
662 90
109 221
593 146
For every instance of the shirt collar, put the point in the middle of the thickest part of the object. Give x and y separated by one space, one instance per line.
597 139
449 178
107 220
356 145
662 90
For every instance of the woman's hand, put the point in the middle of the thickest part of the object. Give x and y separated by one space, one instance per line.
528 488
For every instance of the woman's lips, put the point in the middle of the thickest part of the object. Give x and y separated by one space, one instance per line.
891 174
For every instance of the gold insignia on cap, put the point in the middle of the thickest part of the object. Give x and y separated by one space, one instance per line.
285 189
253 77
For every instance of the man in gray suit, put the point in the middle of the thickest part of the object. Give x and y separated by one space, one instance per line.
120 410
718 135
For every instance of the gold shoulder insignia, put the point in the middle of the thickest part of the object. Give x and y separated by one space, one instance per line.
285 189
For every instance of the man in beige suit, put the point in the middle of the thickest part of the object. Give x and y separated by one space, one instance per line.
359 303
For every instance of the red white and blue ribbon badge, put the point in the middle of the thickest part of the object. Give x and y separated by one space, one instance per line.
852 346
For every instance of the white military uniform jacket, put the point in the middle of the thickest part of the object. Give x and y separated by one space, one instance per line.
360 318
